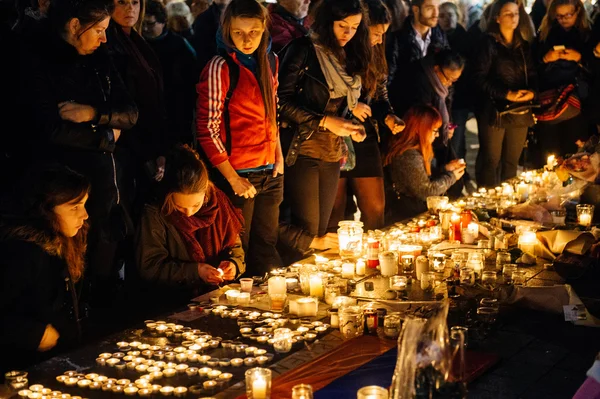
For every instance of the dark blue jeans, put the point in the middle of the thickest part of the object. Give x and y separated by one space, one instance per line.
261 216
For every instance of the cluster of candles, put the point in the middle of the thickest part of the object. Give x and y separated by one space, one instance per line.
281 337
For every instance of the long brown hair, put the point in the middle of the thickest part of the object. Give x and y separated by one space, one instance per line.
253 9
41 191
420 121
493 28
185 173
377 69
582 24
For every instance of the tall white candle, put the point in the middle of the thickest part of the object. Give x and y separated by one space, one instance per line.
316 285
361 267
259 388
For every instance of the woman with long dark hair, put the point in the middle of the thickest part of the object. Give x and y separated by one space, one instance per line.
237 127
408 163
77 107
189 237
321 80
561 48
506 78
365 181
43 244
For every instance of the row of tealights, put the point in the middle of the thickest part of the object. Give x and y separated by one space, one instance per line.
143 386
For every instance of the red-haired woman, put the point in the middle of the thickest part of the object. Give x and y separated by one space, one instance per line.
408 164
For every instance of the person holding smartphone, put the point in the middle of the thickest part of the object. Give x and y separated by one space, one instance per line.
561 48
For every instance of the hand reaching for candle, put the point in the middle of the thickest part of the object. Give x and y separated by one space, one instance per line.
209 274
228 270
49 339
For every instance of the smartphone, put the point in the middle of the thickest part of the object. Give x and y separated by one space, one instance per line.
559 48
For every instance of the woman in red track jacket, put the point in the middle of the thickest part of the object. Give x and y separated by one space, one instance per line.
250 161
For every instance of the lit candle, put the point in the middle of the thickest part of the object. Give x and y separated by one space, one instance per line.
523 190
291 283
422 266
527 242
361 267
585 220
348 270
316 285
277 285
551 162
259 388
307 307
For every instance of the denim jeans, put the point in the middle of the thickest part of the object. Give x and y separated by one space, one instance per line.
261 217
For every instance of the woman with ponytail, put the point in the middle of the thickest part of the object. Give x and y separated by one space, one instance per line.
239 135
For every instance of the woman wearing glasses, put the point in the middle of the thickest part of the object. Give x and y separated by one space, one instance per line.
408 165
561 48
504 73
430 83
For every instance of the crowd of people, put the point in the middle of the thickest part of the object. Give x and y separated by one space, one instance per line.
168 146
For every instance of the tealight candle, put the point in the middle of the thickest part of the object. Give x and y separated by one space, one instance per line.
145 392
117 389
226 377
156 388
123 381
141 368
112 361
167 390
181 357
204 359
204 371
135 344
213 374
83 383
130 391
169 372
249 361
180 392
71 381
35 395
61 379
181 368
156 375
104 356
24 393
101 378
209 385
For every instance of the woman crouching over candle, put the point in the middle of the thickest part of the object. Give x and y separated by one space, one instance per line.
189 238
408 163
43 244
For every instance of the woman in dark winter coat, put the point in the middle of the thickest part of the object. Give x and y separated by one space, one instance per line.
365 181
189 239
561 49
320 80
505 76
142 73
77 107
43 242
408 164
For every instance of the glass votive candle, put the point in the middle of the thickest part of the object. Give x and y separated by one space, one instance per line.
437 262
427 281
585 214
258 383
502 258
507 272
487 315
232 296
246 284
489 303
488 279
372 392
391 325
519 277
388 263
408 262
302 391
457 331
282 340
467 276
277 301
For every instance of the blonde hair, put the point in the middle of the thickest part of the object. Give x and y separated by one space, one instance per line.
582 24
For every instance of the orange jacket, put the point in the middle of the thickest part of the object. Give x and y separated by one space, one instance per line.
254 139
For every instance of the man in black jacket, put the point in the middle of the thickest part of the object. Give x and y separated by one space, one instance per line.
419 37
205 30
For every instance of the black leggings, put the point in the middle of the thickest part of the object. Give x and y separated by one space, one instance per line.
310 189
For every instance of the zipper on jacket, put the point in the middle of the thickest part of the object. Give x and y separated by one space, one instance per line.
112 157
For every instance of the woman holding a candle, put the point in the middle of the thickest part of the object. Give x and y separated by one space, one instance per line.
43 244
320 81
189 238
408 163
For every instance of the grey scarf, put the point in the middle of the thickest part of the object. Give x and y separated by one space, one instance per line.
442 94
340 83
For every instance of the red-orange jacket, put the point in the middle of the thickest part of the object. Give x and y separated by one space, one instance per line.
254 138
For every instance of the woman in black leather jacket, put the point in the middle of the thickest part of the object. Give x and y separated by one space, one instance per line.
505 76
319 80
365 181
77 106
